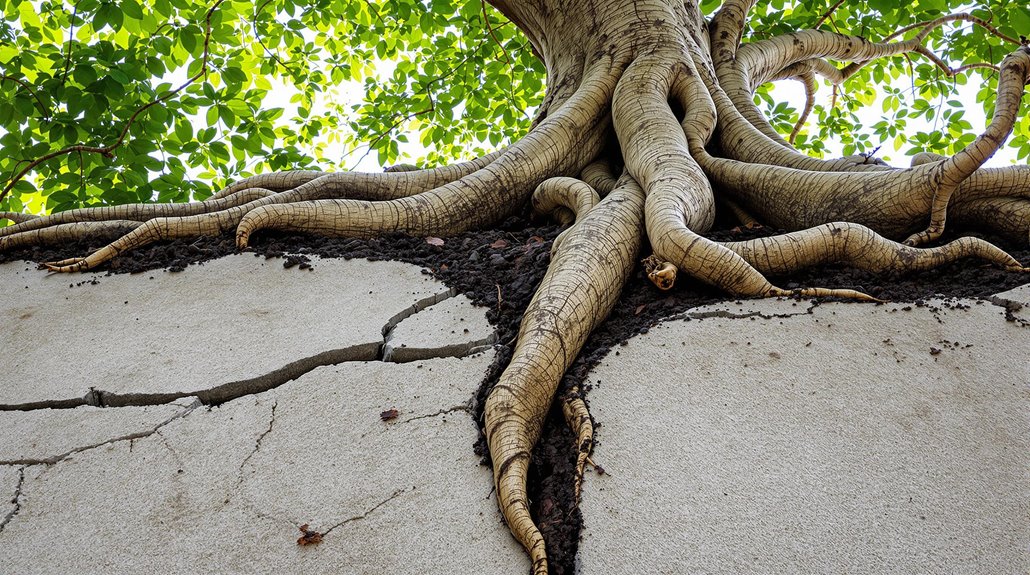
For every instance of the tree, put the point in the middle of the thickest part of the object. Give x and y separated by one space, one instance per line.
648 125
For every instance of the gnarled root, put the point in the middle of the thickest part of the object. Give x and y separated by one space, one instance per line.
577 416
1007 216
68 232
661 273
17 217
555 326
563 143
949 174
858 246
136 212
566 200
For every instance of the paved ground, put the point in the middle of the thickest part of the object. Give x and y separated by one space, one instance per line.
194 421
168 484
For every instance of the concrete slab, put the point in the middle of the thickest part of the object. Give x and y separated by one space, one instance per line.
452 327
151 337
50 435
1019 295
225 489
858 439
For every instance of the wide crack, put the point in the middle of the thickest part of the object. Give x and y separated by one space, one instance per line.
369 351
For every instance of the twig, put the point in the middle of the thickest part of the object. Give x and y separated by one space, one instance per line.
828 14
42 107
71 36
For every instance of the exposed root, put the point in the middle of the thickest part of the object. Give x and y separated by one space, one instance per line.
860 247
554 328
599 175
1007 216
62 233
17 217
562 143
565 199
393 183
577 416
136 212
661 273
616 87
947 175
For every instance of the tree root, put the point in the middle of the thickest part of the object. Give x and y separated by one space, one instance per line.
611 103
947 175
661 273
577 416
17 217
860 247
136 212
555 327
63 233
476 200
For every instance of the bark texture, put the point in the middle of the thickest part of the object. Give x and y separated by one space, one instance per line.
648 124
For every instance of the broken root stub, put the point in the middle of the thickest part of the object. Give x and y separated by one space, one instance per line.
661 273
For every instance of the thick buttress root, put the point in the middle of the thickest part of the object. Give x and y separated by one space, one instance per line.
557 321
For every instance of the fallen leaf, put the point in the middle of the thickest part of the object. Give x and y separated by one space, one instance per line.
389 414
535 240
499 244
639 309
309 537
434 241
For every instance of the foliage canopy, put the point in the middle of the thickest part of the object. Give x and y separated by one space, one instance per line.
74 77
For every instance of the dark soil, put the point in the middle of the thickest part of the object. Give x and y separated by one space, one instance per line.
500 269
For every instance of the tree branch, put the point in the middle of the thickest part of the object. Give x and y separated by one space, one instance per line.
828 13
42 107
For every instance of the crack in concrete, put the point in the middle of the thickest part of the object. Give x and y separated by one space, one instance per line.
257 443
395 495
129 437
409 354
727 314
465 407
393 354
414 308
370 351
16 500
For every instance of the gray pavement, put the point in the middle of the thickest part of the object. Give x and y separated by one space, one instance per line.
771 437
194 421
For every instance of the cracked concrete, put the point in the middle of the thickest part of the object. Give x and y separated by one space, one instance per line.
452 328
844 438
214 331
752 436
11 480
226 488
222 483
50 435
